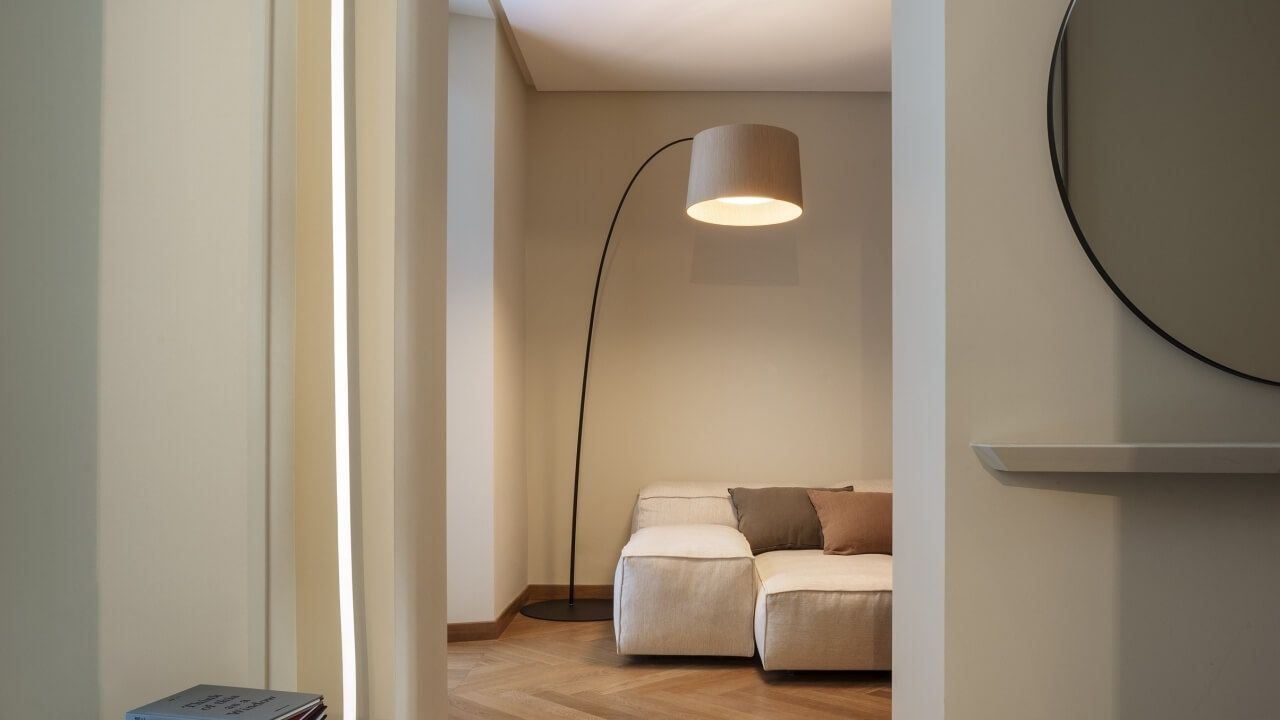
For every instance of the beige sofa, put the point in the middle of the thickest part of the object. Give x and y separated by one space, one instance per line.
687 583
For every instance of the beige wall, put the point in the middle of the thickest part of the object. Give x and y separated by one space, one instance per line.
378 382
51 85
375 198
398 251
182 349
318 638
421 126
135 314
282 630
1098 597
732 355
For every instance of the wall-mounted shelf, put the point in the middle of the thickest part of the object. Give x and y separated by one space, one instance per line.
1200 458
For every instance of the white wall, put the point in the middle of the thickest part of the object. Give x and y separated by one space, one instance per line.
919 358
182 354
510 496
51 82
469 344
724 354
1098 597
485 345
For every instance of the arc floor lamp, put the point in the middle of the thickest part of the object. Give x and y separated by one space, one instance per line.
738 175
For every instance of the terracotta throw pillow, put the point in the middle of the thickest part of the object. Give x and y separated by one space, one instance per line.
856 523
779 518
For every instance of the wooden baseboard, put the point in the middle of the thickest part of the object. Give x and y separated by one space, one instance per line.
467 632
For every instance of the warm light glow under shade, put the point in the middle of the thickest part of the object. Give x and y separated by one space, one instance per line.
745 175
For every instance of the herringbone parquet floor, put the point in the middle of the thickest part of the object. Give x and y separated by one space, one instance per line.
540 669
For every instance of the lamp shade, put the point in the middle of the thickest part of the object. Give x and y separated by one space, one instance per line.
745 175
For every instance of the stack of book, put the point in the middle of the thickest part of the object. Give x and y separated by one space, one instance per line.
204 702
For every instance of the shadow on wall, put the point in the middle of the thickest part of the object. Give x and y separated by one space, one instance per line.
744 260
1196 630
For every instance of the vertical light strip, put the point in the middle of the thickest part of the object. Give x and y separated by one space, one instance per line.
341 397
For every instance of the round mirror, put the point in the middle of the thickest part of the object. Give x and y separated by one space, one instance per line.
1164 130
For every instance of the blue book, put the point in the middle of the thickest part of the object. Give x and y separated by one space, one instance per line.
204 702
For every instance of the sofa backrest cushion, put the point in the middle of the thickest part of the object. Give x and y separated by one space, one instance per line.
779 518
675 503
855 523
683 504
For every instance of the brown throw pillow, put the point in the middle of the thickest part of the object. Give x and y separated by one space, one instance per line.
856 523
779 518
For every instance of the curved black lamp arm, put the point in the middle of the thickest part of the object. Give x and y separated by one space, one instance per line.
586 365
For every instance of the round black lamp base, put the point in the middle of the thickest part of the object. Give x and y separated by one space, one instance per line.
562 611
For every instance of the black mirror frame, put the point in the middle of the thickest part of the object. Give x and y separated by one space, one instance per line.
1059 177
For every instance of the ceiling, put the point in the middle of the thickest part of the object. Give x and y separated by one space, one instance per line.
755 45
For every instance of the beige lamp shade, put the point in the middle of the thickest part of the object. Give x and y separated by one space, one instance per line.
745 175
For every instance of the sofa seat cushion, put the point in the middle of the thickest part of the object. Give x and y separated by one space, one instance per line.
688 541
824 612
685 590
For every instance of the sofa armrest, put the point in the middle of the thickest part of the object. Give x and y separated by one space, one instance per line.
688 541
685 590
